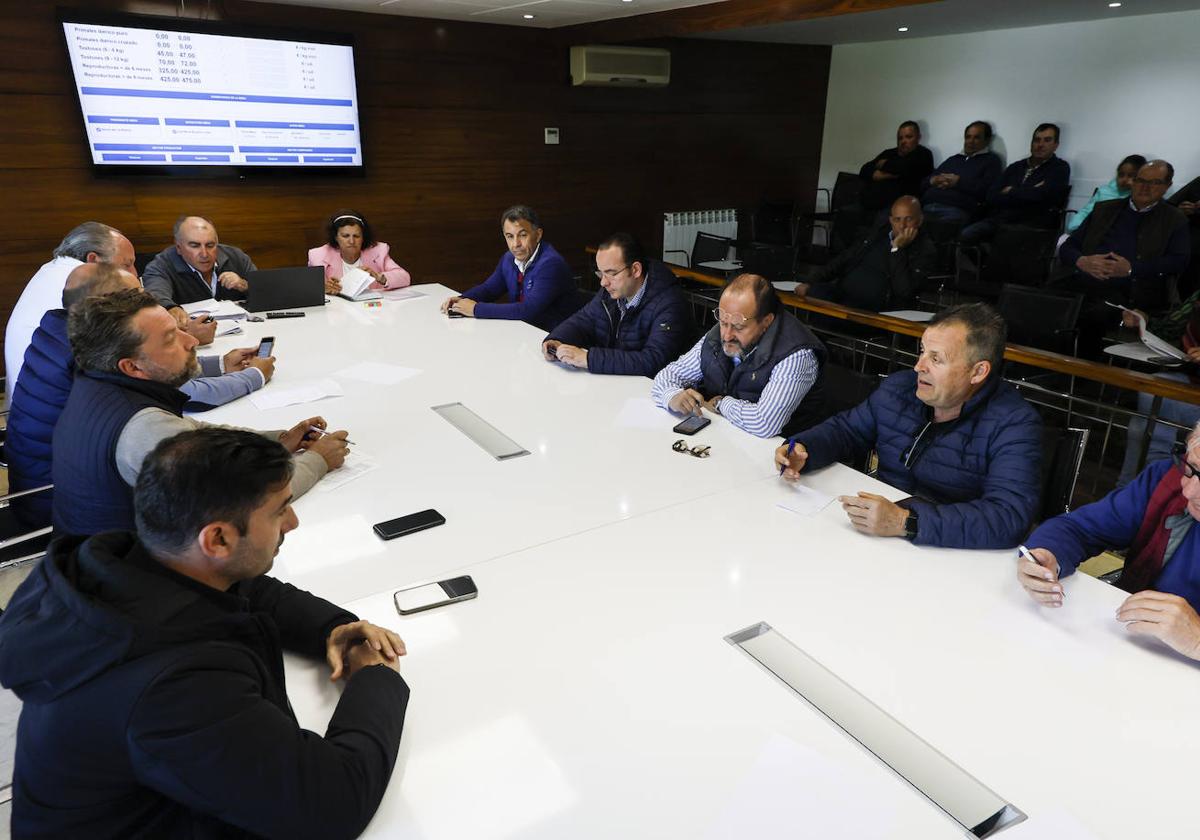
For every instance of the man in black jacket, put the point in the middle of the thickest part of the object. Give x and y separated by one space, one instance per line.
150 666
886 269
635 324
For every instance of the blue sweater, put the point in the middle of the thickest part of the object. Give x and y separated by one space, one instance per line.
549 291
1113 522
978 480
638 341
976 174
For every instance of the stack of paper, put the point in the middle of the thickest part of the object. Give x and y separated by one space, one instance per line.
219 309
1162 348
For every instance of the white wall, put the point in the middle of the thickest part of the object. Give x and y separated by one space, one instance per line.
1115 87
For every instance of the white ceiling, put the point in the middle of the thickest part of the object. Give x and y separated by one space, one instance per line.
947 17
546 13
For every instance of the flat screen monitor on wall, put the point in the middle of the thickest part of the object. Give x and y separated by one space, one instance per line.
175 96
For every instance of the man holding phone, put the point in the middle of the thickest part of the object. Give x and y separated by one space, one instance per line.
170 716
130 359
758 366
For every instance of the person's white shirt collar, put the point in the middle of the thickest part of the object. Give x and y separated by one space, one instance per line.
1145 209
524 266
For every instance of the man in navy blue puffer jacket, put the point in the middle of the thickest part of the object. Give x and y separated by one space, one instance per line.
637 323
951 432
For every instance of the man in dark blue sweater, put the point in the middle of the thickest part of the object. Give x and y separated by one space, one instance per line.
1153 518
1032 191
534 276
1126 252
956 190
634 325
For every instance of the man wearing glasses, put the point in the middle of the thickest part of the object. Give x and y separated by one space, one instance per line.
758 366
951 432
635 324
1153 518
1125 253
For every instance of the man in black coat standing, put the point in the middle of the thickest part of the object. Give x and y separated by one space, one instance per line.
150 666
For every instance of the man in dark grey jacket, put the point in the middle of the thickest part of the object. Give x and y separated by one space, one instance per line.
196 267
150 666
635 324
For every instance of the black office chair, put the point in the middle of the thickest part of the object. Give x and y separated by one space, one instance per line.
1062 456
773 223
1040 318
847 191
844 388
708 247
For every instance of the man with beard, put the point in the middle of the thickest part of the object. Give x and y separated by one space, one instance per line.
758 366
130 359
150 667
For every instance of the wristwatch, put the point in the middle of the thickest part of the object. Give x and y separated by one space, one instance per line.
910 526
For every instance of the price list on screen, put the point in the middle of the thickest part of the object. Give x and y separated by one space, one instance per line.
192 98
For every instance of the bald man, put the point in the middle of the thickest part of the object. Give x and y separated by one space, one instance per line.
883 271
196 267
39 397
90 242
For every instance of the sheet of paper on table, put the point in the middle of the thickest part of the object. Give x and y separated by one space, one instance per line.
357 464
220 309
804 500
909 315
319 389
228 328
1162 348
402 294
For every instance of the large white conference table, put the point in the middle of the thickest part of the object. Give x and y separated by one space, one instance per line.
589 691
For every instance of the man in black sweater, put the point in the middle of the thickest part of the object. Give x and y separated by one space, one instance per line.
885 269
895 172
150 666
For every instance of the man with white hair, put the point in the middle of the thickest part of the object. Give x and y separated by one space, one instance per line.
1153 518
89 242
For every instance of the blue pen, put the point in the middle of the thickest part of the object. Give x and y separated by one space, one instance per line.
791 446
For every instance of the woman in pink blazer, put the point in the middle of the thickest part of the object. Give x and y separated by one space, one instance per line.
352 243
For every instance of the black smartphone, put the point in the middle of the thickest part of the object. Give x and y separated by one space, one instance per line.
266 347
691 425
427 596
452 313
409 524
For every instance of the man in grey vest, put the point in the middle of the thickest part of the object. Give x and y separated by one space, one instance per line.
758 366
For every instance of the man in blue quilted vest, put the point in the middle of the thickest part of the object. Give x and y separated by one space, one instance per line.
950 432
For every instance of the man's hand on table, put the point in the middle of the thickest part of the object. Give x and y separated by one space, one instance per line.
360 644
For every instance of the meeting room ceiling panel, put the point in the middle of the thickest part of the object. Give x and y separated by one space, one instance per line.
944 17
545 13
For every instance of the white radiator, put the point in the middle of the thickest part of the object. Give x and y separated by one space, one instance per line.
680 229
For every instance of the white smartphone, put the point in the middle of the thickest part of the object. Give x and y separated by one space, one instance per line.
427 596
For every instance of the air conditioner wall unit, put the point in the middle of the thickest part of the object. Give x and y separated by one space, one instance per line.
626 66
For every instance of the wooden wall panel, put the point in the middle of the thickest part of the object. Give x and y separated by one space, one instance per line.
452 118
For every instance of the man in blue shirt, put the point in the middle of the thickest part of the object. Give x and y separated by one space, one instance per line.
1154 518
534 276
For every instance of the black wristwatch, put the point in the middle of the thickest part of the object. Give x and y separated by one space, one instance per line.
910 526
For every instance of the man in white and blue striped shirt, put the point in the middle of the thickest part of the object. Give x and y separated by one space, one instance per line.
758 366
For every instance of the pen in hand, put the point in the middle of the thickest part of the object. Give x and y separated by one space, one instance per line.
791 447
321 431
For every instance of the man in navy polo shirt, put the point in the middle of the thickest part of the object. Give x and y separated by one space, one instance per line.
532 274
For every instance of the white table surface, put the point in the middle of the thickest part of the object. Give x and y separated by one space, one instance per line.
721 265
588 691
599 450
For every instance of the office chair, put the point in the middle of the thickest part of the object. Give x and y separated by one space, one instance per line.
1062 456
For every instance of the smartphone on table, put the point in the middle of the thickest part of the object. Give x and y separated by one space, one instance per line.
691 425
410 524
427 596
